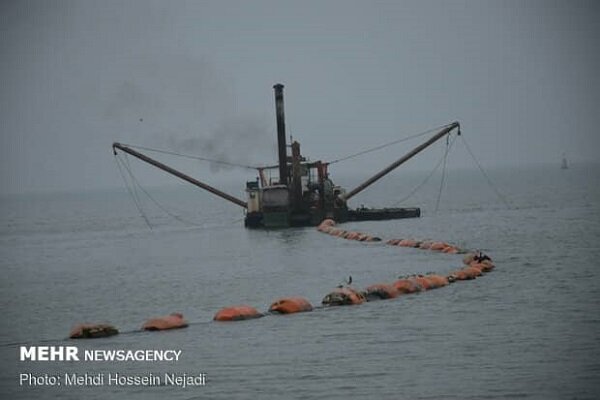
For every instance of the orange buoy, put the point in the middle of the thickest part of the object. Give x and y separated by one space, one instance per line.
343 297
466 273
172 321
354 235
407 286
468 258
408 243
237 313
474 271
92 331
381 291
422 281
436 281
460 275
485 266
324 228
348 235
450 250
327 222
438 246
290 305
425 245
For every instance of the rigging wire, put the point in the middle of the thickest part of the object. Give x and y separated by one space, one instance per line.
156 203
173 153
420 185
129 170
131 192
485 175
442 181
404 139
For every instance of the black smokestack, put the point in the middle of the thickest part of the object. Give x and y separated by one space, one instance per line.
281 145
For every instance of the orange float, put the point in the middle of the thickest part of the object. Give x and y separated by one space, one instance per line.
466 273
425 245
324 228
485 266
92 331
459 275
468 258
407 286
408 243
172 321
354 235
438 246
350 235
327 222
436 281
450 250
381 291
474 271
290 305
237 313
343 297
422 281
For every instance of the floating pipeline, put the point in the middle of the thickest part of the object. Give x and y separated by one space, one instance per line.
172 321
476 264
92 331
290 305
328 226
237 313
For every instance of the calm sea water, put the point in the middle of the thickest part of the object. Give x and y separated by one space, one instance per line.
530 329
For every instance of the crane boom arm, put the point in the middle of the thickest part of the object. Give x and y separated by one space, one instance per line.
402 160
179 174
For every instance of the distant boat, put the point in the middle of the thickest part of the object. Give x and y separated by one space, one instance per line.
564 164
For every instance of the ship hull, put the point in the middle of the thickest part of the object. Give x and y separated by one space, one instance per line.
279 219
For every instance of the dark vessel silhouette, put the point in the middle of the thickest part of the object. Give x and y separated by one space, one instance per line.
303 194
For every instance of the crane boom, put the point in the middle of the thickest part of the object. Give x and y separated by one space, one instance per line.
344 197
179 174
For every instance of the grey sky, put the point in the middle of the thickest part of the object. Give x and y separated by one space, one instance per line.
521 77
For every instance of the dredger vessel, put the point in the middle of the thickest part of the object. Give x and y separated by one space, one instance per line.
304 193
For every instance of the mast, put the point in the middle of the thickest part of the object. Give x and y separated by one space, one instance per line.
397 163
178 174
